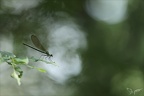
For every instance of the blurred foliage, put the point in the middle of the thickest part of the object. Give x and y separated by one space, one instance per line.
15 62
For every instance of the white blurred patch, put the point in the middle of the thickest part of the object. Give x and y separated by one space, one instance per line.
110 11
65 39
6 43
19 5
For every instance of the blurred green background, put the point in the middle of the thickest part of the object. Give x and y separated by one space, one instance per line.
112 43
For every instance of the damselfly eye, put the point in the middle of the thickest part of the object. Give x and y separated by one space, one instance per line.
51 55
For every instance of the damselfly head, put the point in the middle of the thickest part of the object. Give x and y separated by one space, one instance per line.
50 55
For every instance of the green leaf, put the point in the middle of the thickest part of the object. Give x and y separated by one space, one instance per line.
6 55
41 70
15 75
42 60
21 60
1 59
34 59
18 69
32 67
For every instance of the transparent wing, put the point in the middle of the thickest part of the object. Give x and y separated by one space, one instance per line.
37 43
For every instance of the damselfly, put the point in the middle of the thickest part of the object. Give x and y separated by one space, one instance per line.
38 44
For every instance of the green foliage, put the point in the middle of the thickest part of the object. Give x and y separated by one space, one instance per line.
16 62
